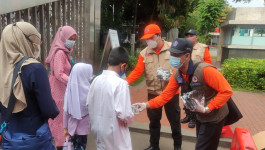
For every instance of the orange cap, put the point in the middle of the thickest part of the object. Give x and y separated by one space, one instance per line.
150 30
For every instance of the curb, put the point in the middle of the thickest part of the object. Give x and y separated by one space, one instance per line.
187 134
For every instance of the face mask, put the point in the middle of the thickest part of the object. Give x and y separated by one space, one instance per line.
175 62
122 74
151 44
69 44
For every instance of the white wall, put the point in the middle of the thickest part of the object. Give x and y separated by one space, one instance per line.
7 6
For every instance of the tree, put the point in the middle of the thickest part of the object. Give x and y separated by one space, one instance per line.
169 11
259 31
110 18
210 12
191 22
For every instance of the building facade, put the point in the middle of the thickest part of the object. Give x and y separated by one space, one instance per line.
243 34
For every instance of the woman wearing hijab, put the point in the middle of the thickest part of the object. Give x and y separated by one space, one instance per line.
59 62
34 104
76 118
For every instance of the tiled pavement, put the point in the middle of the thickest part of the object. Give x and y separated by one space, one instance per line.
251 105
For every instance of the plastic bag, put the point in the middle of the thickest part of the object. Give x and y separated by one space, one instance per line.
189 99
135 109
163 74
68 145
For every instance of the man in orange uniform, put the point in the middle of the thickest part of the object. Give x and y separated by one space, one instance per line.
200 52
202 77
152 59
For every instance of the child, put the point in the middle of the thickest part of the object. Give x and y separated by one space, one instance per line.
109 105
76 118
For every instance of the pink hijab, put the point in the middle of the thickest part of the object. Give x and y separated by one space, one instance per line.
61 36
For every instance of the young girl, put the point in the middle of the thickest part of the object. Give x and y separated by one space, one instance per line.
76 118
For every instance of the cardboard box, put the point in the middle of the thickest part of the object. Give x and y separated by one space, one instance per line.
259 140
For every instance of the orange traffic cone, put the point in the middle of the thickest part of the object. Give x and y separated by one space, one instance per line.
227 132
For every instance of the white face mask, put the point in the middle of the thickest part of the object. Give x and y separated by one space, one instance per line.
151 44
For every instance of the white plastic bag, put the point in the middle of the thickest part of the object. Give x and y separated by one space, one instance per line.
163 74
193 100
68 145
135 109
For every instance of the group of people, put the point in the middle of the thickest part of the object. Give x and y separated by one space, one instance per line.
192 73
58 99
72 106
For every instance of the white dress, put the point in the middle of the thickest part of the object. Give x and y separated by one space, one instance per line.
110 112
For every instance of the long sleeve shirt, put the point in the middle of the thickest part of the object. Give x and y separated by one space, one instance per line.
61 67
110 112
212 77
40 104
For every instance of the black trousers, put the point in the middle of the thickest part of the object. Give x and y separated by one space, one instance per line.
79 141
173 115
208 135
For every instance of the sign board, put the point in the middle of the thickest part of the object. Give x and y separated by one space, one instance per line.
112 41
7 6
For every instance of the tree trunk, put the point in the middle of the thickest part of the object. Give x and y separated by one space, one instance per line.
134 29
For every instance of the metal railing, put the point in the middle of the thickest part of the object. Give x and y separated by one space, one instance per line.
47 18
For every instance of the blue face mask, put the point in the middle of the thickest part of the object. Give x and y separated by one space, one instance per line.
122 73
69 44
175 62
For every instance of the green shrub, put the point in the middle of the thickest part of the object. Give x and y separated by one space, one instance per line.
245 73
132 62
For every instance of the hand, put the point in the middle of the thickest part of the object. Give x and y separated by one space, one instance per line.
139 106
65 133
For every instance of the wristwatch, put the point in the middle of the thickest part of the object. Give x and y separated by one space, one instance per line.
207 109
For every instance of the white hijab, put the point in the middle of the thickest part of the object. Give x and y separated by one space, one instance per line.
77 90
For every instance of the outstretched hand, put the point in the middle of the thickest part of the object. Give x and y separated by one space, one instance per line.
138 107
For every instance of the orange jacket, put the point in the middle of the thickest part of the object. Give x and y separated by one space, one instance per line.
212 77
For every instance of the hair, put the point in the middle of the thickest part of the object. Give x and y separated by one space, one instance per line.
118 55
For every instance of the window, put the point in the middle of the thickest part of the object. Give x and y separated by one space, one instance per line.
248 35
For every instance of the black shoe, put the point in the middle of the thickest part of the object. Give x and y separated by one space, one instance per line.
177 148
185 120
192 123
152 148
